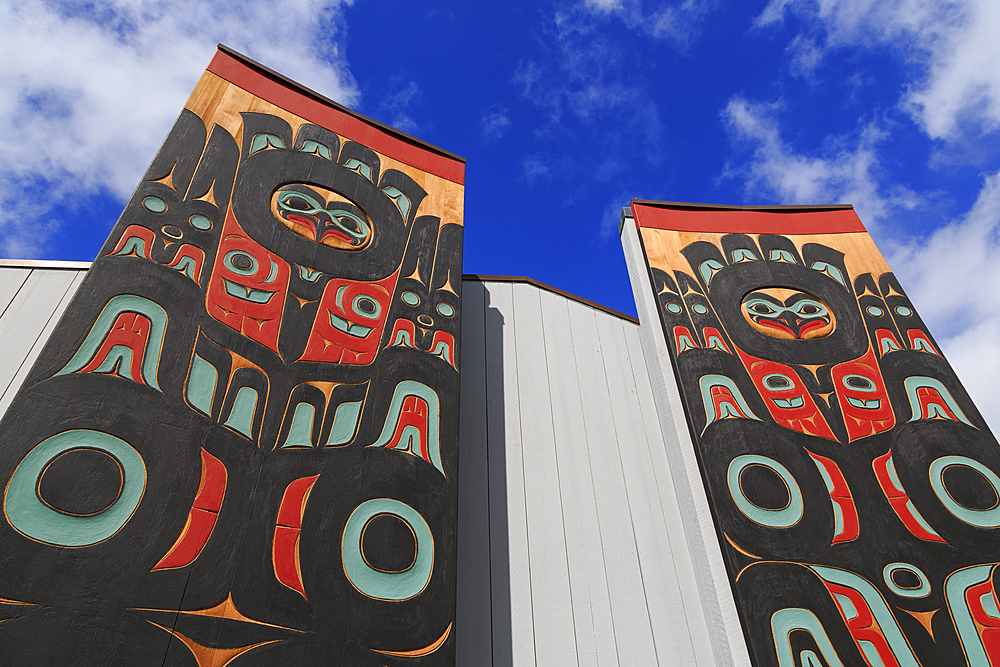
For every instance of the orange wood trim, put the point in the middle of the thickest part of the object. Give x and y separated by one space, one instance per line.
273 88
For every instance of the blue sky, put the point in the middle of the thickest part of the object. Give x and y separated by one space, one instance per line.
565 111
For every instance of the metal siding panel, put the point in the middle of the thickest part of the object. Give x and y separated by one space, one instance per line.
593 623
668 573
725 632
555 642
27 323
601 377
11 281
513 629
472 617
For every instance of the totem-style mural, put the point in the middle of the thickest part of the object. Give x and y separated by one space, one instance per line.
240 444
853 484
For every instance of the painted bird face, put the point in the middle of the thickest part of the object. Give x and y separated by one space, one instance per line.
322 216
787 313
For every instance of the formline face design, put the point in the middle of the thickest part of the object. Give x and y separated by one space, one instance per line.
224 454
853 483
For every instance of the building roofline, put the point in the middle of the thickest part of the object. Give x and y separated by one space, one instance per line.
309 92
43 264
549 288
776 208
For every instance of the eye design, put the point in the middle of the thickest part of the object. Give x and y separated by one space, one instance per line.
786 313
323 218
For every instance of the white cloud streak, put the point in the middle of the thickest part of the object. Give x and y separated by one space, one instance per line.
90 90
951 277
952 43
847 171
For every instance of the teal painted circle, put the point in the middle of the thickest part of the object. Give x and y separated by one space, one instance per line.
445 309
923 590
376 584
673 308
366 307
874 311
154 204
785 517
34 519
699 308
986 518
228 261
199 221
409 298
904 311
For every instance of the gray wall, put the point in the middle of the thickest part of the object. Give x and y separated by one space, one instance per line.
571 545
569 524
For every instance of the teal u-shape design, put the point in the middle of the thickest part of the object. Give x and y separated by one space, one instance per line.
124 303
414 388
785 517
955 587
377 584
786 621
915 382
34 519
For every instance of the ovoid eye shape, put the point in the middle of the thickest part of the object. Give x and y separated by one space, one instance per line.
445 309
349 224
409 298
859 383
298 203
762 309
809 309
778 381
366 306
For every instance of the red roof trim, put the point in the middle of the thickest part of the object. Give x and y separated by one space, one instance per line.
296 101
739 220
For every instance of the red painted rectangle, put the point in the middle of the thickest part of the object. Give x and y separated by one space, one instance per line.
296 102
835 221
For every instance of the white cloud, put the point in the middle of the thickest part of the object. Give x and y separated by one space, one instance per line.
395 107
494 124
953 43
846 171
679 22
90 90
951 277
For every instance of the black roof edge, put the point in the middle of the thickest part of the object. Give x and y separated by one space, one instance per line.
778 208
267 71
550 288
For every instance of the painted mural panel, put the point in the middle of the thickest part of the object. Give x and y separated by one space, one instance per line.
854 486
239 446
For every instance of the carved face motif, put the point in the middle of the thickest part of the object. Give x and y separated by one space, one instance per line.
349 321
322 216
787 313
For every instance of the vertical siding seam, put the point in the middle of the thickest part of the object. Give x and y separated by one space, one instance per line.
593 486
628 500
555 451
659 496
23 281
524 486
73 282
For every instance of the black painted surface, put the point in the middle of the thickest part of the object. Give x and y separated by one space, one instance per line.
106 603
768 565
